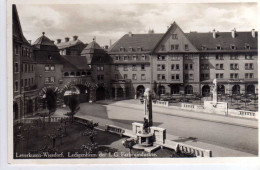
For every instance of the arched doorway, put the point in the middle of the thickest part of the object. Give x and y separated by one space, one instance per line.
29 106
84 93
161 90
221 89
15 110
206 91
236 89
140 91
100 93
50 100
175 89
250 89
188 89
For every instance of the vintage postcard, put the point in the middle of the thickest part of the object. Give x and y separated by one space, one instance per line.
132 82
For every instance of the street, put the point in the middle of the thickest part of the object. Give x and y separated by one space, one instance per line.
227 135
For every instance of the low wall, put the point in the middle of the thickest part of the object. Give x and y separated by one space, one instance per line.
161 103
243 113
198 152
189 106
31 120
83 120
115 129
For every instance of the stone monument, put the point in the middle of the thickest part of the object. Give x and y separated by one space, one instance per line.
215 92
146 133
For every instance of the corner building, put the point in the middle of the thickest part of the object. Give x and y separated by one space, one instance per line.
187 63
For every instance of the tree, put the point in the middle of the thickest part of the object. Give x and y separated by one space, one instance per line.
73 103
51 103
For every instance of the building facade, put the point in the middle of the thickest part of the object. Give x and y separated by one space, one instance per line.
171 64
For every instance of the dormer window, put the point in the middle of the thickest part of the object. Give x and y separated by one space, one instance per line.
186 47
139 48
122 49
117 58
134 57
232 47
218 47
247 46
203 47
131 49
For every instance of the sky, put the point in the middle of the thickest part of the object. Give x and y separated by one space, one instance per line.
108 22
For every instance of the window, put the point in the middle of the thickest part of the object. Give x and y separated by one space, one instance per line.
134 77
72 74
143 57
219 57
160 67
122 49
52 79
52 67
161 58
125 68
219 66
16 69
16 85
131 49
25 68
134 67
46 80
100 77
233 66
25 82
125 76
174 36
83 73
175 77
188 57
116 67
143 77
249 57
191 66
142 67
116 76
203 47
100 68
16 49
218 47
247 46
186 66
160 76
188 89
29 82
174 47
46 68
219 75
232 47
139 48
175 57
204 66
66 74
117 58
188 76
186 47
125 57
249 66
162 47
249 75
173 66
234 57
32 81
177 66
32 67
21 82
234 75
49 57
204 57
134 57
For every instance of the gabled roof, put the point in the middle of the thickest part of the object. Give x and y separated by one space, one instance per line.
144 41
92 47
224 39
173 26
71 43
79 62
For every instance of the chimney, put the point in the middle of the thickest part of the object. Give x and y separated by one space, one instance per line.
214 33
58 41
233 33
130 34
75 37
67 39
253 33
106 47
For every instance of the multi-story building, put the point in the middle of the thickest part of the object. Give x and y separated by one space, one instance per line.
172 63
187 63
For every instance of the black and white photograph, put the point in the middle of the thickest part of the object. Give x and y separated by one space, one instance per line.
138 81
